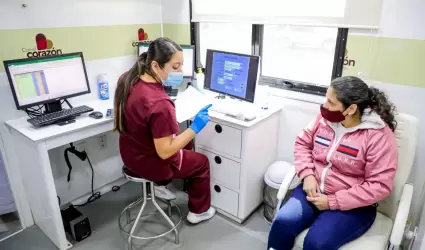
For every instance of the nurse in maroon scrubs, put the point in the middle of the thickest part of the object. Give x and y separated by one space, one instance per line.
150 143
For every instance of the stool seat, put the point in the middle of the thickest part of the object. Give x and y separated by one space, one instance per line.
131 176
148 194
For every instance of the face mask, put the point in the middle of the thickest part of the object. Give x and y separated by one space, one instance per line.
332 116
174 79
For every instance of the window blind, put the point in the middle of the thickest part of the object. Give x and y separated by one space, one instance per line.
328 13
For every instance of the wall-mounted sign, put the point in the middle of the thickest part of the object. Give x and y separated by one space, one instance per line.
43 47
142 36
348 62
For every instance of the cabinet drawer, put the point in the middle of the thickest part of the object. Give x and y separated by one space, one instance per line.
224 199
221 138
223 170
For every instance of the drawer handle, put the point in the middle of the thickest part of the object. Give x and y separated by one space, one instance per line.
217 188
218 128
217 159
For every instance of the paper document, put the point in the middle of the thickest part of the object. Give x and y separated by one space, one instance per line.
189 103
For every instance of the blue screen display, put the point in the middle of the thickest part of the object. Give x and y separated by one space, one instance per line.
229 74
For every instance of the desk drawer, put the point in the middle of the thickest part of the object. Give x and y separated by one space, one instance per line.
223 170
224 199
221 138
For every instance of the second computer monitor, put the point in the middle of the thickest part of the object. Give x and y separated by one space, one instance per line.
232 74
188 55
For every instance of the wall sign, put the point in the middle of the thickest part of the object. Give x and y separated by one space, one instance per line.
348 62
142 36
43 47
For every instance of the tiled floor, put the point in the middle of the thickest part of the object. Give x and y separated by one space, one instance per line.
9 224
218 233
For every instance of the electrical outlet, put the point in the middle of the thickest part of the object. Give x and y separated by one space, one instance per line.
102 141
80 146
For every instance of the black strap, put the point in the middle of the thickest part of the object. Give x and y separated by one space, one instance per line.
68 163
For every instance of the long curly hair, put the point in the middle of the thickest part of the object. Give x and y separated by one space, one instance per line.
352 90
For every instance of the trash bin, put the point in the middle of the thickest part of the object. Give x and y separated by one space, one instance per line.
273 179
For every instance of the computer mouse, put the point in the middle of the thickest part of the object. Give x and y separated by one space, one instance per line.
96 115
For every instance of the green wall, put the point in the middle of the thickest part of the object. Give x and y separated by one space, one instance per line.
178 32
96 42
391 60
383 59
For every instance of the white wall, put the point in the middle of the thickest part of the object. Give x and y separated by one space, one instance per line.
60 13
175 11
49 14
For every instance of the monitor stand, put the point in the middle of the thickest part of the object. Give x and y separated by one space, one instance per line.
56 106
52 107
170 91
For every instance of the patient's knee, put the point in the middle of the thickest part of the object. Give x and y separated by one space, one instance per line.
286 222
318 242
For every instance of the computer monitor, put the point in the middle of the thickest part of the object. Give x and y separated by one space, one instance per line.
188 54
232 74
47 80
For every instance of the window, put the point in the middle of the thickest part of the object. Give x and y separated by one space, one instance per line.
299 53
232 37
297 58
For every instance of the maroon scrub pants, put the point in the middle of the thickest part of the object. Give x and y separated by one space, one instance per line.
195 170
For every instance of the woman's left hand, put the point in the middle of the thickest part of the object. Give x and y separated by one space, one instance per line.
320 201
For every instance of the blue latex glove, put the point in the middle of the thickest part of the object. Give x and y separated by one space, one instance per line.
201 119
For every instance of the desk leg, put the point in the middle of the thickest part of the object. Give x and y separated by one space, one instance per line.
40 187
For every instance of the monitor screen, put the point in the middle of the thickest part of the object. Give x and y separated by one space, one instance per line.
37 81
232 74
188 55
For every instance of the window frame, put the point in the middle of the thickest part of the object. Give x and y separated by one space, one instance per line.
274 82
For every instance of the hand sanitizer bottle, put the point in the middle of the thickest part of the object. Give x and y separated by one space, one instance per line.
267 96
200 78
103 87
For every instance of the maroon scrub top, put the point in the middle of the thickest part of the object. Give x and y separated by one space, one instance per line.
149 114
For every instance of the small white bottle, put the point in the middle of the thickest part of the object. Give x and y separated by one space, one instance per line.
200 79
266 96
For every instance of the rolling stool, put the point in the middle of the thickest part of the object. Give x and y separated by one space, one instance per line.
148 194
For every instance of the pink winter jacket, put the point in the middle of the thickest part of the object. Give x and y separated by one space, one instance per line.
354 167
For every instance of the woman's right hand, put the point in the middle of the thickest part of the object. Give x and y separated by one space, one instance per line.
310 186
201 119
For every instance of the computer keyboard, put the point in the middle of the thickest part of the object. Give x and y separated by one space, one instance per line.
172 92
234 109
59 116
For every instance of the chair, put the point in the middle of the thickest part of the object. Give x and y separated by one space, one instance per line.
388 229
148 194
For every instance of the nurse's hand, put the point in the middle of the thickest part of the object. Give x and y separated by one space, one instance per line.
201 119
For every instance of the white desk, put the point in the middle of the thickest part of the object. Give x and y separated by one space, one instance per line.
33 145
255 141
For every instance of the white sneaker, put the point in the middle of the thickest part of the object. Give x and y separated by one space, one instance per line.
162 192
196 218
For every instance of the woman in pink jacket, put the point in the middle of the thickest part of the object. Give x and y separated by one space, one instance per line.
346 160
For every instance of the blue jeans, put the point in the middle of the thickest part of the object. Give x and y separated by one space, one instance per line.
329 229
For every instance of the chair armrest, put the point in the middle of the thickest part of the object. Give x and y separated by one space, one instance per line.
284 187
401 216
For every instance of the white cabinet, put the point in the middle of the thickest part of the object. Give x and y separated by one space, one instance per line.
239 154
224 139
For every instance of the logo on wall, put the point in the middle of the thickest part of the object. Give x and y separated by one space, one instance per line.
142 36
347 61
44 47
